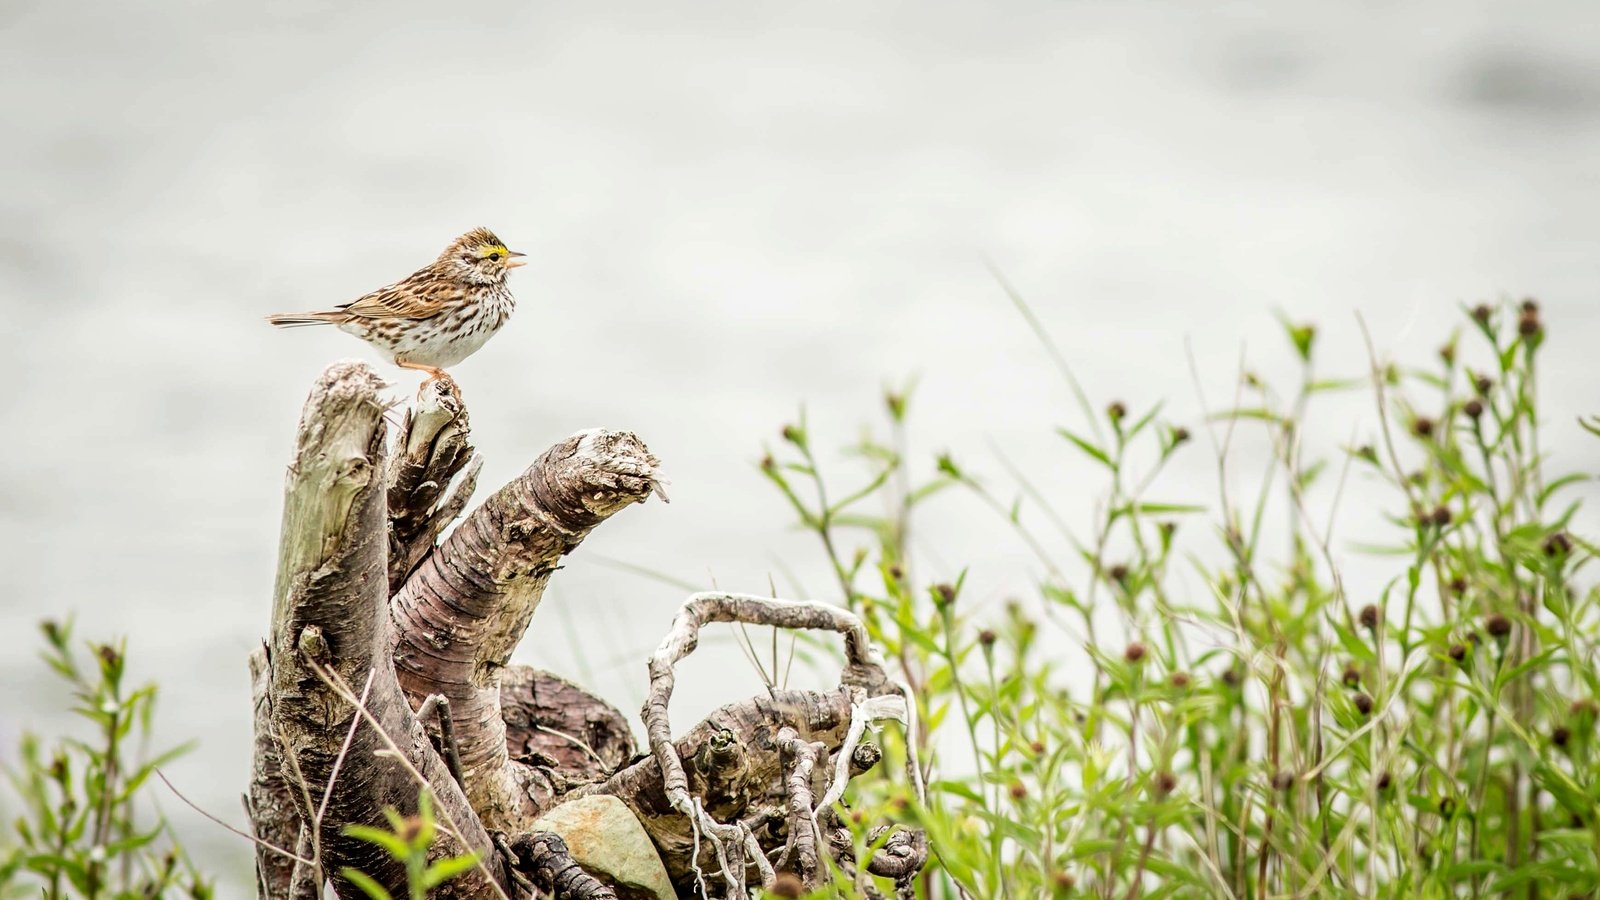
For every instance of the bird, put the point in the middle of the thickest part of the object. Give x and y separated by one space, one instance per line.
437 316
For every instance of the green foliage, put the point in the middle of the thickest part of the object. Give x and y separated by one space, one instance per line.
408 842
79 833
1434 738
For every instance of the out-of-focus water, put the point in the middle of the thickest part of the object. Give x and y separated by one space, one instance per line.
731 210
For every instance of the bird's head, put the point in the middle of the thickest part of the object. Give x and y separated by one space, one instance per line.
480 257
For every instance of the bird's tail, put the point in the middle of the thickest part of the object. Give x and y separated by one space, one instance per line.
292 320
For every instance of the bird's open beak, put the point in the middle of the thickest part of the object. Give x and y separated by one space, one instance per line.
512 260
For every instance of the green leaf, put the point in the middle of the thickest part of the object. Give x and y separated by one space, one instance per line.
387 840
1559 483
365 882
1301 336
1093 451
1144 420
958 788
1265 415
446 869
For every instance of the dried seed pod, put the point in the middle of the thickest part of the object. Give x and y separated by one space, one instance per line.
1369 616
1497 625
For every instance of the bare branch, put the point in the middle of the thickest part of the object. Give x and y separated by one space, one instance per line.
434 473
463 610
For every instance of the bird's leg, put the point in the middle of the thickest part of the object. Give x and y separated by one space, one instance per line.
434 374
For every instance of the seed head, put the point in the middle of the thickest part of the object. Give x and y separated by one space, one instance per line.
1164 783
1180 436
1530 306
788 885
1063 880
1369 616
1363 704
1483 385
1134 653
1529 325
1448 354
409 829
1230 677
1473 408
1458 585
1481 313
1018 790
1351 676
1179 680
1037 747
1441 516
1457 652
1447 807
896 404
1116 412
1560 735
1422 426
1557 544
986 637
1384 781
1118 573
944 594
1283 779
1497 625
794 435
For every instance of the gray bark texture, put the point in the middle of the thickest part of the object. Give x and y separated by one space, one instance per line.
386 674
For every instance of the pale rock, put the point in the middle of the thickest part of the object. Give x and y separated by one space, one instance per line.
605 837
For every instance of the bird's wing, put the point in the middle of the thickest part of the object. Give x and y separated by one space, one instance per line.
417 297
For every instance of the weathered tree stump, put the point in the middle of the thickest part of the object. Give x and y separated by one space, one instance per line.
386 674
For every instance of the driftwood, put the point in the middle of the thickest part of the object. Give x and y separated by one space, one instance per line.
386 673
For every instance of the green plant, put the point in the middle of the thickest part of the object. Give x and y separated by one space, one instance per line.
409 841
1434 737
80 831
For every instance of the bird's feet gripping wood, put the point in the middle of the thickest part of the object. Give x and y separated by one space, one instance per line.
434 374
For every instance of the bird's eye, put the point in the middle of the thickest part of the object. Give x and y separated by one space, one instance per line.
495 255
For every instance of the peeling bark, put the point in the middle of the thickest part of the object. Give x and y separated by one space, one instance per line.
433 475
271 802
543 857
550 720
462 612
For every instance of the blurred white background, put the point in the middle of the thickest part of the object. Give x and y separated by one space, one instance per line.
731 209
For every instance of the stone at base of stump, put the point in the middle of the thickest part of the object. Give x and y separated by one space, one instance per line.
605 837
